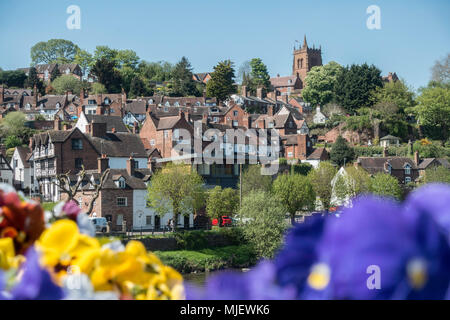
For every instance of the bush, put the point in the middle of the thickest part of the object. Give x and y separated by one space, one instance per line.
191 240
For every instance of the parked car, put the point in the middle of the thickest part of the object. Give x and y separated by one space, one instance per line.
100 224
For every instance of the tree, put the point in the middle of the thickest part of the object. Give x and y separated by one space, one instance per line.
221 84
295 192
341 152
85 60
354 86
156 71
433 108
321 178
244 69
385 185
354 182
54 51
66 83
55 73
253 180
175 189
441 70
396 93
72 188
183 83
107 75
98 88
12 142
14 78
222 202
13 124
437 174
265 224
34 81
137 87
259 75
320 84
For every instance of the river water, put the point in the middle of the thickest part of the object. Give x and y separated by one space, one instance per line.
199 279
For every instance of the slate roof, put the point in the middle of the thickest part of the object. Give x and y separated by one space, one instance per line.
425 163
318 154
377 164
111 122
119 145
283 81
24 154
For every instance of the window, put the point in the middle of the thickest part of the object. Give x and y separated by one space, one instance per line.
121 202
408 169
16 163
77 144
122 184
148 220
78 163
166 133
92 102
407 179
152 142
235 113
290 154
235 123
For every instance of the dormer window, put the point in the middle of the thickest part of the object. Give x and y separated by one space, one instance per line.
121 183
167 104
106 101
28 106
176 104
407 169
58 105
150 101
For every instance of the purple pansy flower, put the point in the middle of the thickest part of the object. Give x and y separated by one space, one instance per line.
35 282
71 209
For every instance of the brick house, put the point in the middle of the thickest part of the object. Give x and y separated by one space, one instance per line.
160 131
296 146
402 168
288 85
44 71
113 123
102 104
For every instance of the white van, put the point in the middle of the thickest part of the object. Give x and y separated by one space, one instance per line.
101 224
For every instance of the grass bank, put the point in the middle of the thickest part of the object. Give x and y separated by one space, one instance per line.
187 261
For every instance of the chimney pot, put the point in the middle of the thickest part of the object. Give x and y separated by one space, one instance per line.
103 163
130 166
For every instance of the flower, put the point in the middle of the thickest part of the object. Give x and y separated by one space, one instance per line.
62 245
35 282
71 209
8 258
21 221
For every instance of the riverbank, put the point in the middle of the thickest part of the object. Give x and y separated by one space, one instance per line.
211 259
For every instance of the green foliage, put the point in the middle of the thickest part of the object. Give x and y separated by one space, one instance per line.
33 80
107 75
221 85
54 51
66 83
321 178
430 149
441 70
13 123
437 174
183 83
155 71
354 85
209 259
396 93
175 189
295 192
320 84
222 202
302 168
98 88
341 152
253 180
12 142
358 123
266 222
13 79
385 185
433 108
373 151
259 76
85 60
355 182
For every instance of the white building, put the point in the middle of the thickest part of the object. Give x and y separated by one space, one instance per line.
319 117
23 170
6 172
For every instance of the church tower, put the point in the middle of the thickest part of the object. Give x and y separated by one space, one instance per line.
304 59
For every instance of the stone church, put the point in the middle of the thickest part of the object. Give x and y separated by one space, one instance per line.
304 59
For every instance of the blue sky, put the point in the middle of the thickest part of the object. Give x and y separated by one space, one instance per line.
414 33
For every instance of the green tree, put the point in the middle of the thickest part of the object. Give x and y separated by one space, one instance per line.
107 75
15 78
155 71
85 60
354 182
321 178
12 142
105 52
33 80
355 84
396 93
259 75
265 222
137 87
253 180
66 83
385 185
341 152
433 108
222 202
320 84
437 174
295 192
98 88
13 123
221 84
175 188
55 73
183 83
54 51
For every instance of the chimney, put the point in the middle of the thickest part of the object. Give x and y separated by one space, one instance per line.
2 94
270 111
103 163
260 93
66 127
205 119
151 165
244 91
57 123
385 152
82 97
130 166
36 95
98 129
113 130
416 158
135 128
